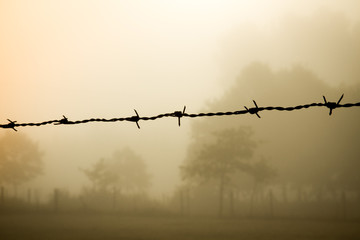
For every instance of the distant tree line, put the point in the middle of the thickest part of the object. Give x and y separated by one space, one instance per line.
307 157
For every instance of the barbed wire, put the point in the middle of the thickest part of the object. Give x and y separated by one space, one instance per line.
179 114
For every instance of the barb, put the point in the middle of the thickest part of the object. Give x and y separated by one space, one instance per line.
254 110
332 105
180 114
11 124
63 121
135 119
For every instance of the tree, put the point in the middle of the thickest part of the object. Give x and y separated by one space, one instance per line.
261 172
220 158
99 175
308 149
20 159
125 170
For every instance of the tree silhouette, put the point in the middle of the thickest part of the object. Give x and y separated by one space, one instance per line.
20 159
261 172
100 176
220 158
125 170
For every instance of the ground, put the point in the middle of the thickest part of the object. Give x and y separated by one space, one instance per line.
70 226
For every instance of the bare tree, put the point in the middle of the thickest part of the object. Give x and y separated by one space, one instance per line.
220 158
124 170
20 159
261 172
100 176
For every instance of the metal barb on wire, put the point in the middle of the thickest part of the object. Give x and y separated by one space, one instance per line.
254 110
179 114
332 105
135 119
64 120
11 124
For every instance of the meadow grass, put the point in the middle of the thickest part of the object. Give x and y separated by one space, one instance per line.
70 226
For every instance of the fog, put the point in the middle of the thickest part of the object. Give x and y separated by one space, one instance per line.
103 59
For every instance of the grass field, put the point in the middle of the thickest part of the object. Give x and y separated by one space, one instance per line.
120 227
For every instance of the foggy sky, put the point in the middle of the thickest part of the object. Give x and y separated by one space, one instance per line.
85 59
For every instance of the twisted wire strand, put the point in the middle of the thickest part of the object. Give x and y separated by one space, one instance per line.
179 114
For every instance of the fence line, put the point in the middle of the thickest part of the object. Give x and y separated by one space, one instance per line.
179 114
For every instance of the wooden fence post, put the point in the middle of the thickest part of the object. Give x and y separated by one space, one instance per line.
188 201
182 202
2 195
114 199
56 200
29 196
231 202
271 201
344 205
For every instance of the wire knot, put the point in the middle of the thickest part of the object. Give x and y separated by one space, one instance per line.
179 114
254 110
332 105
135 119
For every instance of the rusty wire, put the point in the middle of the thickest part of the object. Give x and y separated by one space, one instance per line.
179 114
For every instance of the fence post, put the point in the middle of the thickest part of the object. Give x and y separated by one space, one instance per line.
2 195
114 198
182 202
231 202
188 201
56 200
37 200
271 201
285 193
344 205
29 196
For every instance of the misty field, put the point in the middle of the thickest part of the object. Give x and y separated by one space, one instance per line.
69 226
